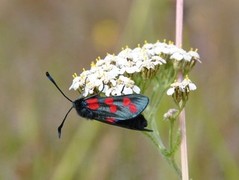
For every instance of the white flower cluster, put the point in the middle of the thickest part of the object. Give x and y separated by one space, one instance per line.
174 52
109 75
184 87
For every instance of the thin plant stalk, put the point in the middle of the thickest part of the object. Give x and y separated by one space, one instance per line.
182 119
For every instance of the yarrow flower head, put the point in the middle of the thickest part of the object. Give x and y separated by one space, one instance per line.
171 114
115 74
180 90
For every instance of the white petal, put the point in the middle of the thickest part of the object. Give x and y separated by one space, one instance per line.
136 89
109 58
75 85
113 82
192 86
120 87
177 56
148 46
100 62
131 70
170 91
187 57
85 93
127 90
108 92
194 54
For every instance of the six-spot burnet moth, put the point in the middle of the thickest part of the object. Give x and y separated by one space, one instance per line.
123 111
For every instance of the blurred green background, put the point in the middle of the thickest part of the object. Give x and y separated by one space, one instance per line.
63 37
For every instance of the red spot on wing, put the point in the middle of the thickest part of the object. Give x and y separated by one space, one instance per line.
132 107
110 120
92 103
110 103
113 108
126 101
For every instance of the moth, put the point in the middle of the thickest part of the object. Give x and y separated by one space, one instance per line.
123 111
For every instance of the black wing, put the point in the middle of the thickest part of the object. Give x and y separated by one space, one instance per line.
116 108
137 123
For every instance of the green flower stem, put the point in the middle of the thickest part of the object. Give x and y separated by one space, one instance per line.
175 167
174 142
169 156
171 130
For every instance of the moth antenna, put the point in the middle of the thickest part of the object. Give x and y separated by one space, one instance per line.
122 89
62 123
52 80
